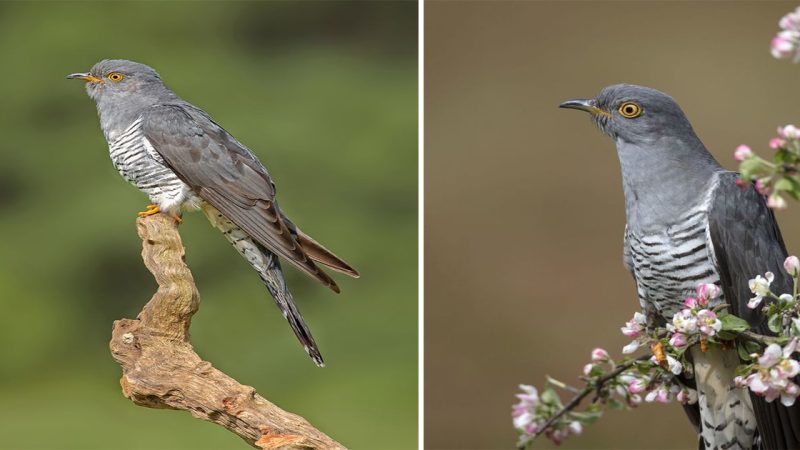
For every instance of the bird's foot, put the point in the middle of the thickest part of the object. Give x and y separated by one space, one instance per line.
151 209
177 217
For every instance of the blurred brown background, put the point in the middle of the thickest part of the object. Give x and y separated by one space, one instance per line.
524 212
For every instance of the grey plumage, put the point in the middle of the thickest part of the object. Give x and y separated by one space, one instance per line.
689 223
182 159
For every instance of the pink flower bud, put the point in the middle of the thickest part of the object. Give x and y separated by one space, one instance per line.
776 143
762 187
636 386
707 291
775 201
792 266
690 302
678 340
599 355
742 152
741 183
789 132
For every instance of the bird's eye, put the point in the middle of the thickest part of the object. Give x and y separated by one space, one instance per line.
115 76
629 110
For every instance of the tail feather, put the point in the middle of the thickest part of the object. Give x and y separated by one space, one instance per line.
273 280
269 269
322 255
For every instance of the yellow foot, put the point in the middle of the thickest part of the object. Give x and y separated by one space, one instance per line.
151 209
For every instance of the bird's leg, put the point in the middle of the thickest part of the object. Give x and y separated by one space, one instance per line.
151 209
177 216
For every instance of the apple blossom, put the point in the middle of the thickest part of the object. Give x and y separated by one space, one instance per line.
743 152
599 355
792 265
760 287
634 327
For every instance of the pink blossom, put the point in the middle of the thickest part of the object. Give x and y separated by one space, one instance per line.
792 265
762 187
637 386
790 132
784 44
599 355
687 396
742 152
772 354
674 365
708 291
587 369
634 327
776 143
678 340
660 395
630 348
685 322
760 287
741 183
708 322
690 302
775 201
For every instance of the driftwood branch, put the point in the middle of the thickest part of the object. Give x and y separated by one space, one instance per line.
161 370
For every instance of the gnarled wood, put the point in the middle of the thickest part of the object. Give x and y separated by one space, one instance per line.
161 370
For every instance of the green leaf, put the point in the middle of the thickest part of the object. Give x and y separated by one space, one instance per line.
615 404
587 417
743 369
733 323
750 166
783 185
744 352
726 336
550 396
775 323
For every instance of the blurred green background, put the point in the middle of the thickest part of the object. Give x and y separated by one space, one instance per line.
325 93
524 211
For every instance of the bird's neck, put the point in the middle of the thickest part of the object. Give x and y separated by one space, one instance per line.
117 113
663 179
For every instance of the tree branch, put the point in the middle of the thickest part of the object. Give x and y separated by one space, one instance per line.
161 370
594 386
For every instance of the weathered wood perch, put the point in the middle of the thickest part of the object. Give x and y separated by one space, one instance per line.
161 370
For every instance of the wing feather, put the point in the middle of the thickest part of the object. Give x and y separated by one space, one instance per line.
747 241
227 175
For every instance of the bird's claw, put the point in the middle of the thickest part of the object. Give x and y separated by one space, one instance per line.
151 209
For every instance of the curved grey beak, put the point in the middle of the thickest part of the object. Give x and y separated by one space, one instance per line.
584 104
84 76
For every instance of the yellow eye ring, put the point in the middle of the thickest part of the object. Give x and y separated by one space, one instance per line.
629 110
115 76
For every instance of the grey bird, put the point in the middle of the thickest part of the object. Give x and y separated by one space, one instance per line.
688 222
182 159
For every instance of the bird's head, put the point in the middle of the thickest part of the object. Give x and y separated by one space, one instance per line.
112 78
634 114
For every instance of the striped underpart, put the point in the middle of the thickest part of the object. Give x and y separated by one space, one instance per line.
138 162
668 265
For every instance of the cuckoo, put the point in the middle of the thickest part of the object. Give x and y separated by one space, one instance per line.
688 222
183 160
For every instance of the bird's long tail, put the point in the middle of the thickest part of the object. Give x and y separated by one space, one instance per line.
726 413
269 269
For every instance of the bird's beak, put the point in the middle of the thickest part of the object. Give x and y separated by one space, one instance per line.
584 104
84 76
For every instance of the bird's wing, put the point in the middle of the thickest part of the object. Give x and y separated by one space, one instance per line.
228 176
746 242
